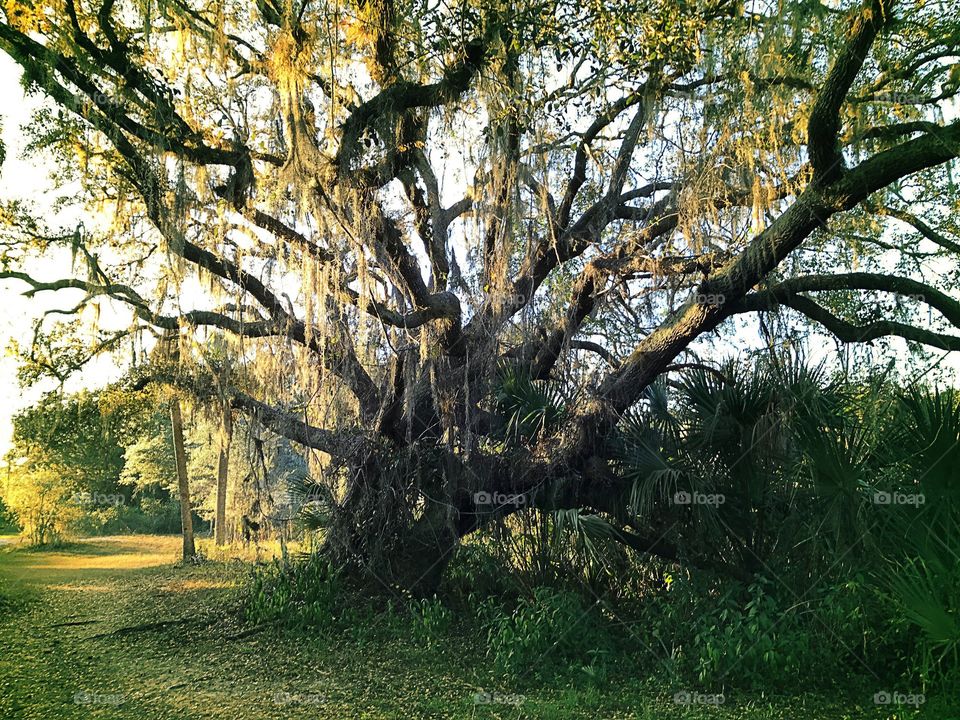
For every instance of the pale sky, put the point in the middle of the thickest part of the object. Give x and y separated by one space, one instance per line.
21 178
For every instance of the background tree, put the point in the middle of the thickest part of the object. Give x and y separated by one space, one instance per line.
395 208
183 480
223 475
100 451
72 431
8 521
40 497
65 462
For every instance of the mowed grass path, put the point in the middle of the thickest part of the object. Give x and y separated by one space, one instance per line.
113 628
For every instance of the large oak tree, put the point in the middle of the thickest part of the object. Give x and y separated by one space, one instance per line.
396 208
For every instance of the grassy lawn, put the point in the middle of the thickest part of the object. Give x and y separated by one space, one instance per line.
81 637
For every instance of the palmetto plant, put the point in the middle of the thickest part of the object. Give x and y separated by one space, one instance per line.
921 540
797 455
734 433
927 432
927 592
314 500
821 477
528 408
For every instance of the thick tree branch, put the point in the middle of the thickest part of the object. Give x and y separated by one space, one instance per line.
919 291
403 96
823 128
338 444
811 210
843 330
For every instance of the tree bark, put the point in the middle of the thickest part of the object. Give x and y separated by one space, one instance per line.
186 519
223 465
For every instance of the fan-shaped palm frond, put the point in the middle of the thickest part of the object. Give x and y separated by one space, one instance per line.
530 408
313 498
643 456
928 594
591 532
927 433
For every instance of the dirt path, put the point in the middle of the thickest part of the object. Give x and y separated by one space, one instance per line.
99 631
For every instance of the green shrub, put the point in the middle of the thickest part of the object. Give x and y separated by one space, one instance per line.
432 622
752 639
544 629
717 631
302 593
475 572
